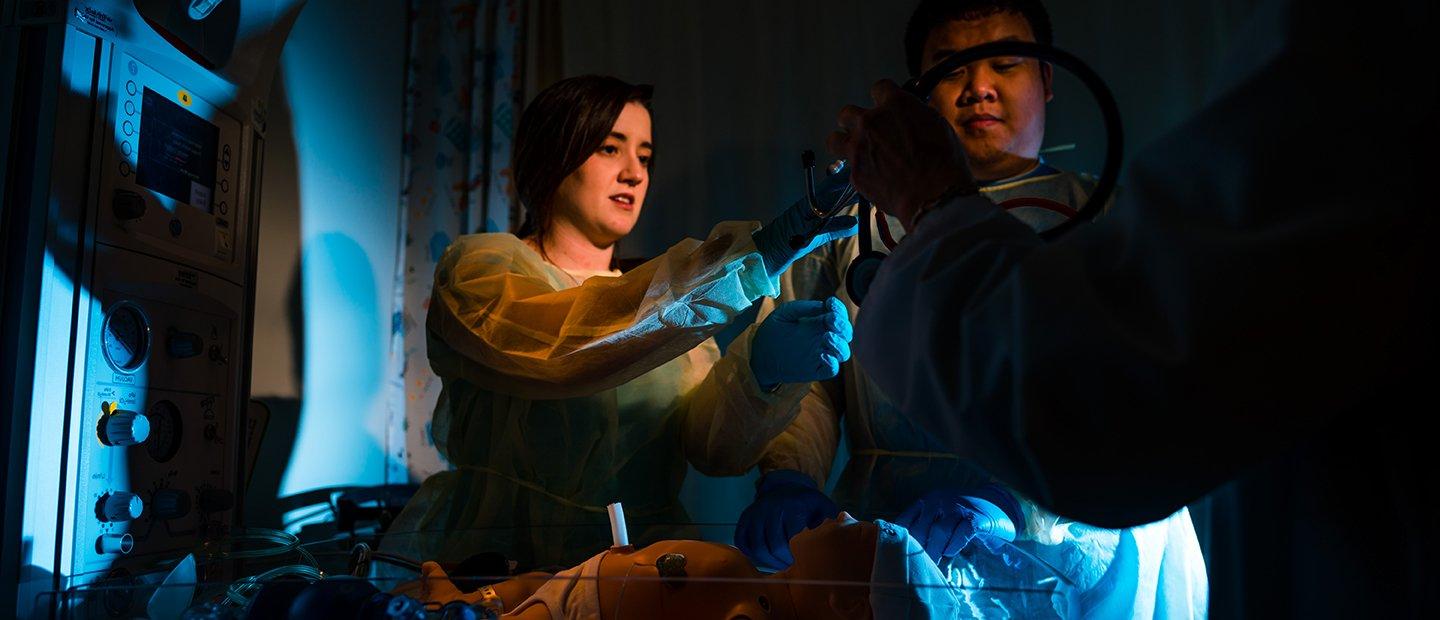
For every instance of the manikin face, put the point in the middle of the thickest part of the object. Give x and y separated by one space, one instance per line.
996 106
722 583
840 549
603 197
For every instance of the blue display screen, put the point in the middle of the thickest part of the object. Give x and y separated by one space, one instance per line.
177 152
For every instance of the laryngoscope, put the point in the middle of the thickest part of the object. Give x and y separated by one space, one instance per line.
862 270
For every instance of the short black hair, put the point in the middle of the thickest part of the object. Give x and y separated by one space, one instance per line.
933 13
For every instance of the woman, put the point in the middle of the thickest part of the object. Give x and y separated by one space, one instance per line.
566 383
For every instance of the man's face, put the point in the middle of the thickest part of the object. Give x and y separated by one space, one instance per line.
997 105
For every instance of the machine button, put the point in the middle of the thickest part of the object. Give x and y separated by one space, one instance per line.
127 205
130 107
124 168
170 504
120 506
176 227
114 543
183 344
125 148
224 185
128 127
130 86
121 428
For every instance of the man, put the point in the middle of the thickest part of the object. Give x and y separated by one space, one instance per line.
996 108
1266 280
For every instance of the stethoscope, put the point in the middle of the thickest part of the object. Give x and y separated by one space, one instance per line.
863 268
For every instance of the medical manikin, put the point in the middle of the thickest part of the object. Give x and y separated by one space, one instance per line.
843 569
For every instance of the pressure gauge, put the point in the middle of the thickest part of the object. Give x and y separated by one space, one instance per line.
125 337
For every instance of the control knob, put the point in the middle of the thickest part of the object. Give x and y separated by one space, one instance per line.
168 504
123 428
183 344
128 205
120 506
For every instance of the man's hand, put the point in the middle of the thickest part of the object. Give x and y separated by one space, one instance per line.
904 155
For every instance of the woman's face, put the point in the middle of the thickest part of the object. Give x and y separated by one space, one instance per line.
602 199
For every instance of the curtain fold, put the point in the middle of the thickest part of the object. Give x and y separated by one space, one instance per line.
464 89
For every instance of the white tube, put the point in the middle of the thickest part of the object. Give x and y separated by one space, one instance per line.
618 535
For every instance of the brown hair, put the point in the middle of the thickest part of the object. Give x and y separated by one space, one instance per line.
565 124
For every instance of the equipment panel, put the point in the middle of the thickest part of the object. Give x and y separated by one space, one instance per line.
170 175
157 464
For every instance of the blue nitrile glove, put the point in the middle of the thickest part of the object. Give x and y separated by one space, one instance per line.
787 502
773 241
800 342
945 521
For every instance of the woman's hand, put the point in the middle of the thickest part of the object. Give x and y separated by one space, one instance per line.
800 342
775 240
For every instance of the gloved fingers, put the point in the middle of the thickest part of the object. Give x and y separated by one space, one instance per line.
797 311
802 311
777 539
960 534
839 227
750 538
838 319
794 522
937 535
823 509
826 368
835 346
743 533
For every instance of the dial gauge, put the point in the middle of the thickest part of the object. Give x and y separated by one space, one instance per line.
125 337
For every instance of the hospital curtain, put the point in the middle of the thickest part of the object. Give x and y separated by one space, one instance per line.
464 88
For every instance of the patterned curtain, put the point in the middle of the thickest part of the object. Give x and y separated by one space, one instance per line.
464 90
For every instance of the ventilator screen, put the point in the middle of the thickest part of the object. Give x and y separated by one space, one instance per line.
177 152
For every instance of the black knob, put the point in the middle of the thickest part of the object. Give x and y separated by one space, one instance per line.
128 205
183 344
170 504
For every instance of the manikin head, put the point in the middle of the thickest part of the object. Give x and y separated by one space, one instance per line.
720 582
